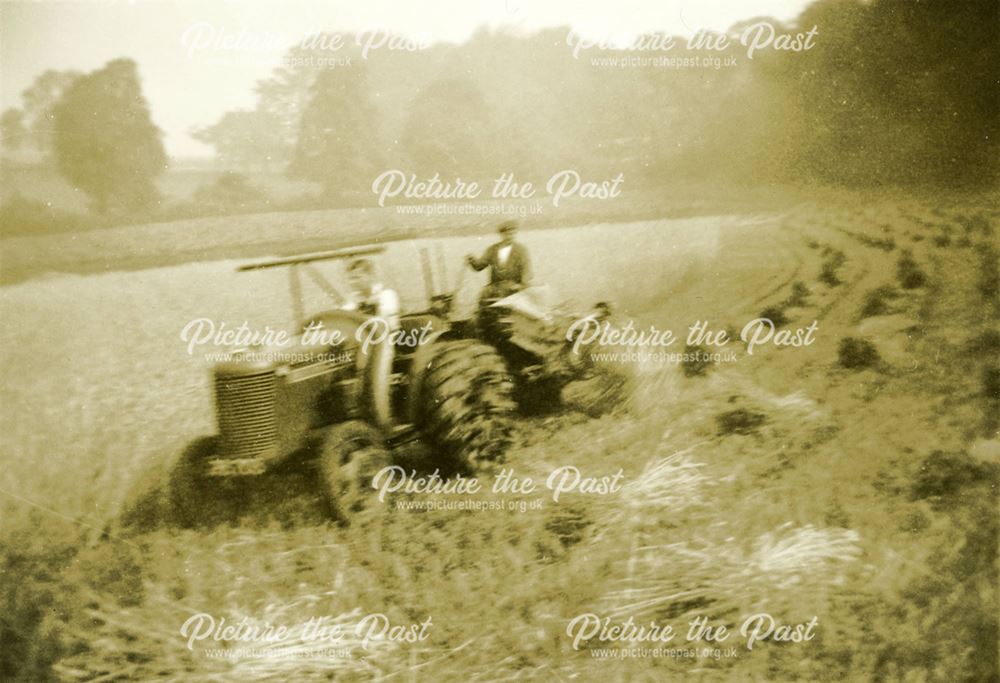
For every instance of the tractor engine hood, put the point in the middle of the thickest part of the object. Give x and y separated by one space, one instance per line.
326 336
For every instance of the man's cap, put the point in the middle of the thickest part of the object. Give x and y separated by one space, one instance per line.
507 226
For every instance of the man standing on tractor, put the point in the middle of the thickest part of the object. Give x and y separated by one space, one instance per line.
510 268
371 297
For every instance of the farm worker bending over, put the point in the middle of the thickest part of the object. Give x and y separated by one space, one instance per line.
371 297
510 268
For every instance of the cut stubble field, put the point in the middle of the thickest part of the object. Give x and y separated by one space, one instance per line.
789 481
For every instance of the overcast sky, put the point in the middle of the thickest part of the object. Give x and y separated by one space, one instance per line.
188 86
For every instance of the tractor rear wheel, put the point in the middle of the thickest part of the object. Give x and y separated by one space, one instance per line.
352 454
467 407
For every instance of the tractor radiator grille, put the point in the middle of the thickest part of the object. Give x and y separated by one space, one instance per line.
245 409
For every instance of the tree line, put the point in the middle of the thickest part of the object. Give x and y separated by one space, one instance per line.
892 93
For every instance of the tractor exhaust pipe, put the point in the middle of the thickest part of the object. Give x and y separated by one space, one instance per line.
425 262
442 266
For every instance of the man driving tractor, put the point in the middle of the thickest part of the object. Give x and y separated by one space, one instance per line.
510 268
371 297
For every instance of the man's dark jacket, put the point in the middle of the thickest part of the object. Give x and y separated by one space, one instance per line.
517 269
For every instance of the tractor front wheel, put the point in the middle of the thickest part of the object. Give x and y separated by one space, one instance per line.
352 454
197 499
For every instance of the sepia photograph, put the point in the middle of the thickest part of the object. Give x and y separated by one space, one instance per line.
500 340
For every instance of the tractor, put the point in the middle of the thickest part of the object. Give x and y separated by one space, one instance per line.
344 395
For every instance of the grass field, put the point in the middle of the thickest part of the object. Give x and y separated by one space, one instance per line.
855 481
178 184
60 236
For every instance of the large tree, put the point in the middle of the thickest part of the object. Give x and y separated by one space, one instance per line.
338 144
105 141
450 131
894 92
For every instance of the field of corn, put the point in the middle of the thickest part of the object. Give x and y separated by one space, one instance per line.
853 481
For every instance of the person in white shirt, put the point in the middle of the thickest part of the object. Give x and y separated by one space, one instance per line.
371 296
374 299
